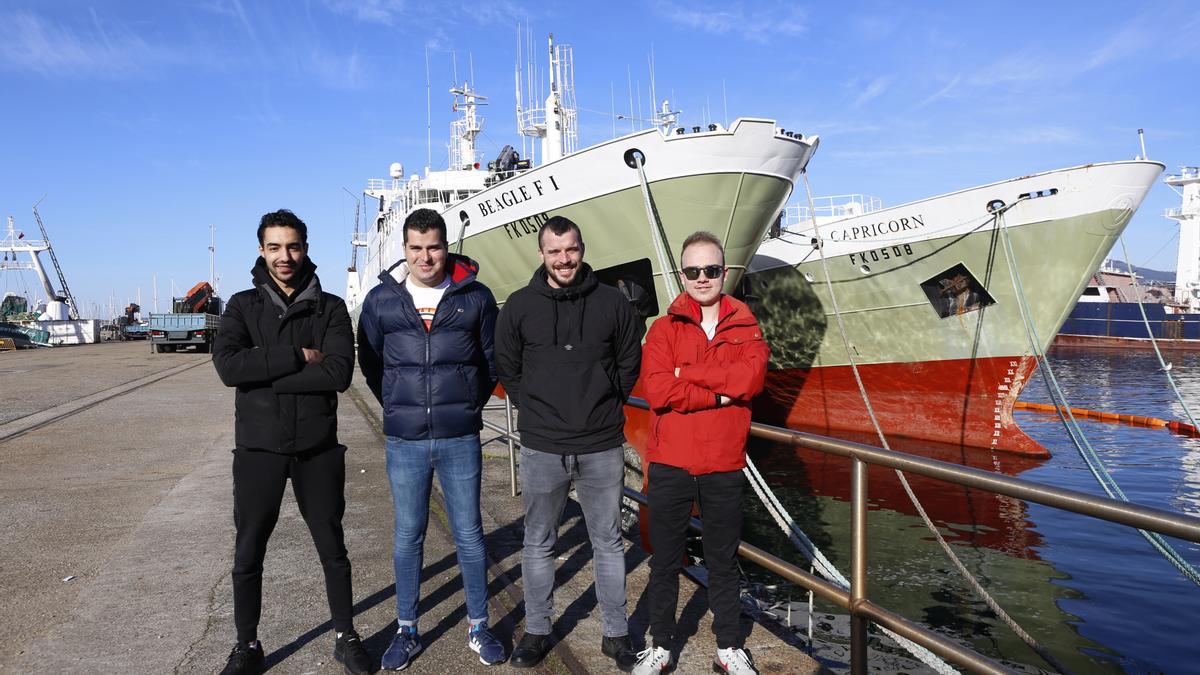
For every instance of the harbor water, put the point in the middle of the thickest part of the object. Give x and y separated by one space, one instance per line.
1094 594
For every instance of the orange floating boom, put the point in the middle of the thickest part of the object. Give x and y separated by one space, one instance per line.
1180 428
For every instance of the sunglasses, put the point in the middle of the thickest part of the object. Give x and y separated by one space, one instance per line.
710 271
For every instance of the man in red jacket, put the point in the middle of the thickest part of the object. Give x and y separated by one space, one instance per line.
701 365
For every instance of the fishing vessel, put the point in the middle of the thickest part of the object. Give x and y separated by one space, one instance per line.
1117 310
943 333
52 321
635 198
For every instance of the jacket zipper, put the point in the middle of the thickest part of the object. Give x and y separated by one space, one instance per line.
428 358
428 373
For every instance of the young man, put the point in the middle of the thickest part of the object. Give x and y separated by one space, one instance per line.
702 364
567 349
288 348
425 348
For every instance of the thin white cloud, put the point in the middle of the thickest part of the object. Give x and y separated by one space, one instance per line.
873 89
337 71
972 144
30 43
944 92
98 46
427 15
387 12
756 23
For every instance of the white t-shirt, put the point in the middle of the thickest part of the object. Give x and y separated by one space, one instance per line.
426 299
710 328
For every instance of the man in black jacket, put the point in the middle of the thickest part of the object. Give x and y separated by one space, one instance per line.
568 353
288 348
425 349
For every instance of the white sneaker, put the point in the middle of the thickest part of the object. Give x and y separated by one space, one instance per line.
734 662
652 661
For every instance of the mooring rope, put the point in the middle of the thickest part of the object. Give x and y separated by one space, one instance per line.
954 559
1153 341
1090 457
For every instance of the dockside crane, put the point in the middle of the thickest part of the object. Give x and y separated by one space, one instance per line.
62 279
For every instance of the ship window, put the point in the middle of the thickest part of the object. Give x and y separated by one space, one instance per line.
1091 290
635 280
956 291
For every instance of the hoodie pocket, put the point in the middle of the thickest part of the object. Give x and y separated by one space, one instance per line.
570 391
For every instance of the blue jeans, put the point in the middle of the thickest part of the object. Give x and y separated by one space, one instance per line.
410 466
545 480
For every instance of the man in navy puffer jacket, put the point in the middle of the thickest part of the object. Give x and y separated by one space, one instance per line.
425 348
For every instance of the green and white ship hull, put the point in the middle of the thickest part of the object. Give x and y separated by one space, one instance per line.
931 308
731 182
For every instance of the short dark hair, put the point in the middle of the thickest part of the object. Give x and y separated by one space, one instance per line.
282 218
560 225
424 220
702 237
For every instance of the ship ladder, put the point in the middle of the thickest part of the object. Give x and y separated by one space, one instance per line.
1086 451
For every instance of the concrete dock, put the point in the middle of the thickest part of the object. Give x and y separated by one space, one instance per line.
118 537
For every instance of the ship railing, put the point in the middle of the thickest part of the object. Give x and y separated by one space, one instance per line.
832 207
380 184
1185 173
855 600
1176 212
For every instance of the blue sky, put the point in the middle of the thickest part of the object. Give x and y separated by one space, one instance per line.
145 122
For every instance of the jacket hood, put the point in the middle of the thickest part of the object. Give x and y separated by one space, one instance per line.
461 270
308 286
575 298
733 312
586 284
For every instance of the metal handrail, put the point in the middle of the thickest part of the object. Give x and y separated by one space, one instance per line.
855 600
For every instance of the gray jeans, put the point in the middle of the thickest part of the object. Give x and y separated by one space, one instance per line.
545 480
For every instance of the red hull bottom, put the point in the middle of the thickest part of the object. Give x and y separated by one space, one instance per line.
962 402
979 517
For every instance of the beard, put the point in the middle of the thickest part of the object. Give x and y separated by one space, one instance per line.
564 276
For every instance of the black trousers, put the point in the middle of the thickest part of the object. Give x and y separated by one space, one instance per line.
318 482
672 493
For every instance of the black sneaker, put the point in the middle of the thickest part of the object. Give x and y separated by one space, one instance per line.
349 651
245 659
620 650
530 650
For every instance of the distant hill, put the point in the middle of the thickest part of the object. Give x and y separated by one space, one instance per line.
1145 272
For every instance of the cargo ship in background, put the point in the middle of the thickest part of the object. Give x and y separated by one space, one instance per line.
1109 312
931 311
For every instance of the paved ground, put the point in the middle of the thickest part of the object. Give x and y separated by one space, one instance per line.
116 549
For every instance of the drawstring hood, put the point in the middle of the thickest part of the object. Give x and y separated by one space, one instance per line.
574 311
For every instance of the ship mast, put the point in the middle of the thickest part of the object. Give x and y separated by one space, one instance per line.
1187 270
464 129
555 122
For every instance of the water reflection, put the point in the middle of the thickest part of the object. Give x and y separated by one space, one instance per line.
1093 593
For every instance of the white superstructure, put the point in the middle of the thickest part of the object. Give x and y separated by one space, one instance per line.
15 244
1187 270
